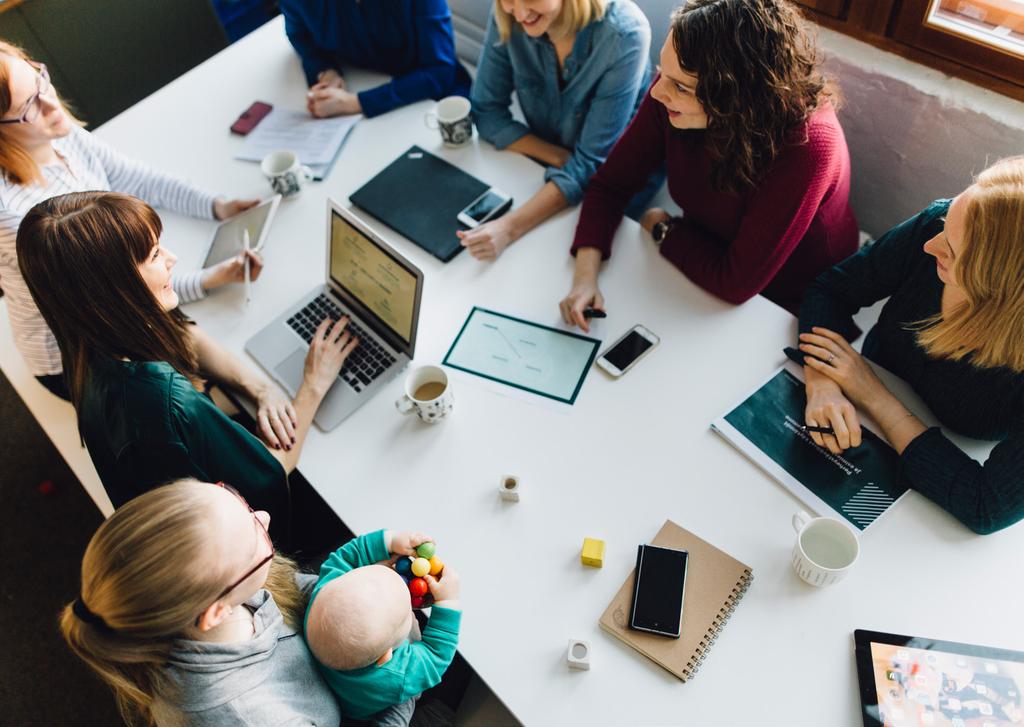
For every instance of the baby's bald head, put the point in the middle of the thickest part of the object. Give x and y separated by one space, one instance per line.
357 617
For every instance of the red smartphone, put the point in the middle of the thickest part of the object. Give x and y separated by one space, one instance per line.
250 117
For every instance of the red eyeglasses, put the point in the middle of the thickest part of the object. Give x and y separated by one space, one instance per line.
263 530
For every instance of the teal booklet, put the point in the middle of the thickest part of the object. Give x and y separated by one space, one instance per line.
524 355
857 486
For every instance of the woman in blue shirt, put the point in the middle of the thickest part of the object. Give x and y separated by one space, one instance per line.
580 69
410 40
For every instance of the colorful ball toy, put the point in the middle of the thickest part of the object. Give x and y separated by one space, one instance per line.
414 569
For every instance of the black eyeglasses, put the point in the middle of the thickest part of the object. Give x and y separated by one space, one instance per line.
266 535
30 111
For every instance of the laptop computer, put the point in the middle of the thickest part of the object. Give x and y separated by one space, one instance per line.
378 289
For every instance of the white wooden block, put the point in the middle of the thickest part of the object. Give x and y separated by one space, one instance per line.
578 655
509 488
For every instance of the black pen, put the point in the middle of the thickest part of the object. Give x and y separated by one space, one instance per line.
594 313
818 430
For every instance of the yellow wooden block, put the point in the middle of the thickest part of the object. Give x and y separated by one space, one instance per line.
593 552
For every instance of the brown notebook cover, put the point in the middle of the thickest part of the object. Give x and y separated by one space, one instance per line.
715 582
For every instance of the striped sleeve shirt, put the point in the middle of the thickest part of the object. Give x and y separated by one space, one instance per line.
87 164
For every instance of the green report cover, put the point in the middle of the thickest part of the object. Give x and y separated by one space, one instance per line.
857 486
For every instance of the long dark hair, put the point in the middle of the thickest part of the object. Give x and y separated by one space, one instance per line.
79 254
757 79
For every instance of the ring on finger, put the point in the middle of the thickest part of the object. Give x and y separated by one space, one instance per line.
831 357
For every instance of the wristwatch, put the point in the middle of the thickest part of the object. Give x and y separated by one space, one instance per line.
660 230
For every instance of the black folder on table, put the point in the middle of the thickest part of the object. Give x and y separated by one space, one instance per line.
420 196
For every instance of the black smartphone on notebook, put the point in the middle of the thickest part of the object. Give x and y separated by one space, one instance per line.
658 590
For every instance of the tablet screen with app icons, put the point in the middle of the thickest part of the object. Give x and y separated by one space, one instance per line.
908 681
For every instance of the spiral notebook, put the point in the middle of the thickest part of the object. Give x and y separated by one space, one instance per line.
715 582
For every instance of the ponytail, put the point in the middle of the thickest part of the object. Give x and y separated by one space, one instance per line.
142 591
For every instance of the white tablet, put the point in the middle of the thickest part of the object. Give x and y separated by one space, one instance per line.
226 241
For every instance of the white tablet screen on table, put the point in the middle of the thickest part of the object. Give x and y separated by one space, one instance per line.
524 355
227 238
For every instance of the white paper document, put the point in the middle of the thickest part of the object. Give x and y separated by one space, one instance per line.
314 141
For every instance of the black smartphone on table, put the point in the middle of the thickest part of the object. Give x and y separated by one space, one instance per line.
658 590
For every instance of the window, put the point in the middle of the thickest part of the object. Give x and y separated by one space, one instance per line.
998 23
980 40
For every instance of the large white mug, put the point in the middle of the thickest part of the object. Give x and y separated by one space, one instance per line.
825 549
427 393
452 117
285 174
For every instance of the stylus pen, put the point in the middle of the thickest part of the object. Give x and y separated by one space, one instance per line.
248 279
594 313
818 430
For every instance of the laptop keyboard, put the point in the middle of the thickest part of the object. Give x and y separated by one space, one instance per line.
366 362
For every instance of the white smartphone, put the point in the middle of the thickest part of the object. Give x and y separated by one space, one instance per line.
492 203
622 355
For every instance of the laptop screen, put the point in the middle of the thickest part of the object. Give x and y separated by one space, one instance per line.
382 283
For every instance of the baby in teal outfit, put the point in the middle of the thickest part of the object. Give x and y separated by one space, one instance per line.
359 622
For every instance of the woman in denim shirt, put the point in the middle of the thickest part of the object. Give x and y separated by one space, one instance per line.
580 69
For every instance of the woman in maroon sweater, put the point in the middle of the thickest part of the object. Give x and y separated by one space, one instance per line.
755 155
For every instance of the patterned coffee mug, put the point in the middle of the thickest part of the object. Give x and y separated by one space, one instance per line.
285 174
427 393
451 116
825 549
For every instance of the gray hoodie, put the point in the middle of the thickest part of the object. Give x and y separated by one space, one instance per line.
270 680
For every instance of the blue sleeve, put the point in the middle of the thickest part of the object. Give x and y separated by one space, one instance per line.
436 63
492 92
426 661
360 551
876 271
314 59
608 115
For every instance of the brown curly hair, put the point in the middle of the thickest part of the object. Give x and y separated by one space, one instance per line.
757 79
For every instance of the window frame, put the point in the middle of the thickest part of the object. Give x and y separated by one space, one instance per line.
899 26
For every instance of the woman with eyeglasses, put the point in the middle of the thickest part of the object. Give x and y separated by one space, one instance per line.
746 125
189 615
952 327
45 152
137 368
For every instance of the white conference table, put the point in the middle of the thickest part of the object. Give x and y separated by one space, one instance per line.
628 455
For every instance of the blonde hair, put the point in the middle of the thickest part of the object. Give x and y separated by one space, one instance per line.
16 164
989 325
575 15
140 592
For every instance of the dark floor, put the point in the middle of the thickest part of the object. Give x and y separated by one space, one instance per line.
42 538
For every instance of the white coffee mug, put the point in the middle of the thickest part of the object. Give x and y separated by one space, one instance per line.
825 549
427 393
285 174
452 117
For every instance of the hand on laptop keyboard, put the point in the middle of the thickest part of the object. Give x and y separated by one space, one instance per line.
365 364
329 347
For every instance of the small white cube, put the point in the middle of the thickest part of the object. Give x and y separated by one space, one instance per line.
579 654
509 488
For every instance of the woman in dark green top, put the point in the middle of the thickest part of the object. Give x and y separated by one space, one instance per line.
953 328
136 367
